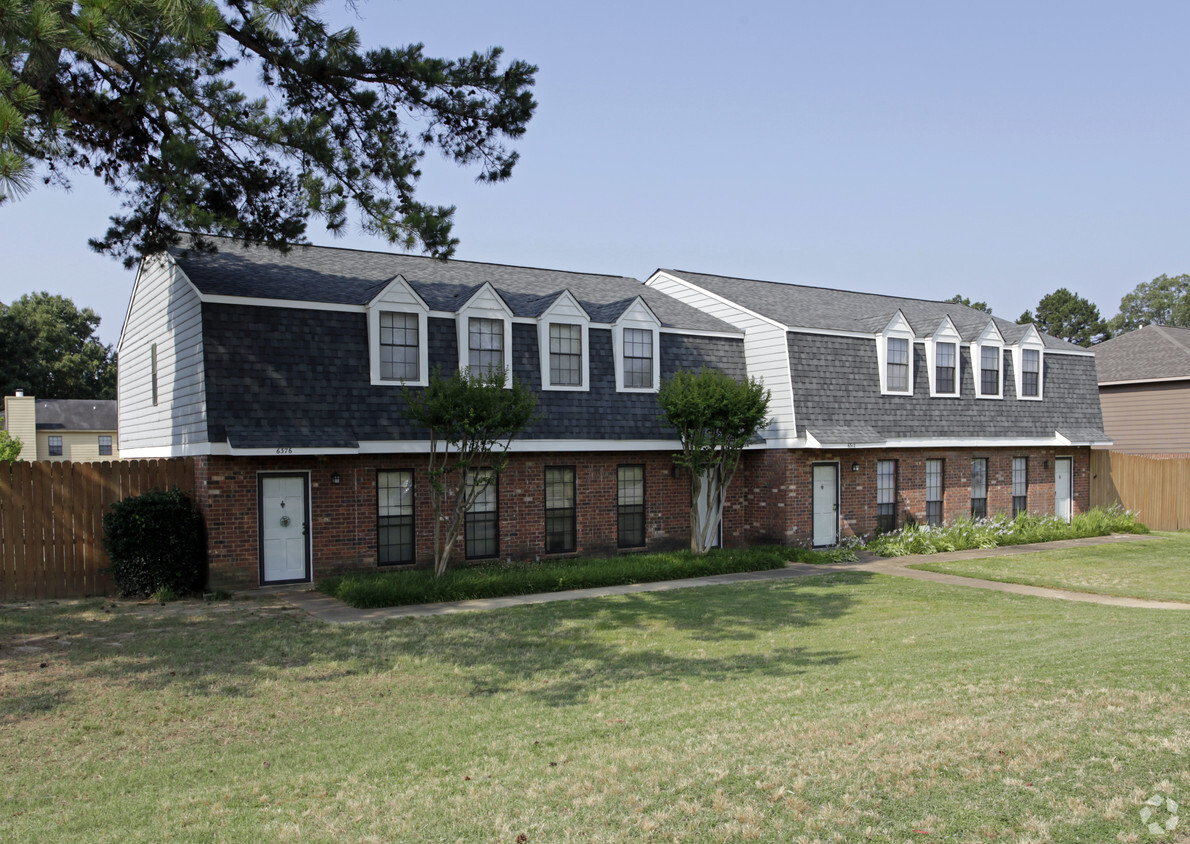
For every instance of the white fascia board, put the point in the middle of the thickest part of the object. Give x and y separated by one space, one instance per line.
723 299
301 304
178 450
1074 354
829 332
525 446
968 442
1141 380
400 283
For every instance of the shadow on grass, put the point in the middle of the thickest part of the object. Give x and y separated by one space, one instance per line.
558 653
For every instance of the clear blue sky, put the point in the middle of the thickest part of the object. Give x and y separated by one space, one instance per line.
998 150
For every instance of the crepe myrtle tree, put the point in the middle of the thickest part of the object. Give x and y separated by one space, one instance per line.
715 417
244 118
471 418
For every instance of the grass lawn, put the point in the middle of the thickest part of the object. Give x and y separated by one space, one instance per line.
843 707
1157 568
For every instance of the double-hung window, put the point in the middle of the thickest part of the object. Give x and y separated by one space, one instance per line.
1020 486
105 445
559 509
630 505
481 536
897 365
485 345
1030 373
394 517
886 496
55 445
989 370
566 355
398 347
945 367
638 358
979 488
934 491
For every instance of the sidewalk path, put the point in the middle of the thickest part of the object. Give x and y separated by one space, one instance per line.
326 608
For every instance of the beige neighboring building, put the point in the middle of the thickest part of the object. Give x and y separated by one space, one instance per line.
62 429
1144 390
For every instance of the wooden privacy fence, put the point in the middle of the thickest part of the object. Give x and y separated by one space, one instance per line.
51 521
1157 489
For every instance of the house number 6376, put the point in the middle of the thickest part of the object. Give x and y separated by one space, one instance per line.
285 449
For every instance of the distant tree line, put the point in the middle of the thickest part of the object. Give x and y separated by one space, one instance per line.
48 348
1163 301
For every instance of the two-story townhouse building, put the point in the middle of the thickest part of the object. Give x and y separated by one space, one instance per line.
286 375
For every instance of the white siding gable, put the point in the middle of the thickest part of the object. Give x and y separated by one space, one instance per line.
766 349
165 311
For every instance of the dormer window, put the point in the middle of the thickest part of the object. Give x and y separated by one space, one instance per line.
989 370
894 353
563 338
638 358
987 356
485 345
942 358
566 355
1030 373
946 363
898 365
484 331
399 358
1028 365
635 338
397 336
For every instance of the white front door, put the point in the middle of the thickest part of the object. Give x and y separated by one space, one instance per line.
284 540
1062 489
826 504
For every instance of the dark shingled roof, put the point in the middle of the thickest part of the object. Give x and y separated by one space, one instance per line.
76 415
836 386
1147 354
824 309
299 377
353 277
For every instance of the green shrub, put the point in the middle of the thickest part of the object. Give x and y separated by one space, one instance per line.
398 588
965 534
155 543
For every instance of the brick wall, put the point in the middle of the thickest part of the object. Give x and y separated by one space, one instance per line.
770 500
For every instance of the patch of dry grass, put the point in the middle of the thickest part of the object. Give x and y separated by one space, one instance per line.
846 707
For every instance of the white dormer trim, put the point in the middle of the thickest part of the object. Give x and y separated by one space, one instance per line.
898 328
484 303
945 333
1031 341
565 310
398 297
989 338
637 315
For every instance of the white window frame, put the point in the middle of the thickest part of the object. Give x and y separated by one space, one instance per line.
565 310
946 333
398 297
637 315
1031 341
898 328
485 303
991 338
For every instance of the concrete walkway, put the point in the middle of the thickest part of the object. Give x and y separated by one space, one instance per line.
326 608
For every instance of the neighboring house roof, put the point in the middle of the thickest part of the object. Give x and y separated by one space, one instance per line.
824 309
76 415
1152 353
353 277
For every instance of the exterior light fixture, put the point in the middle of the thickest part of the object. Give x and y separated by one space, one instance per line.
855 467
335 478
